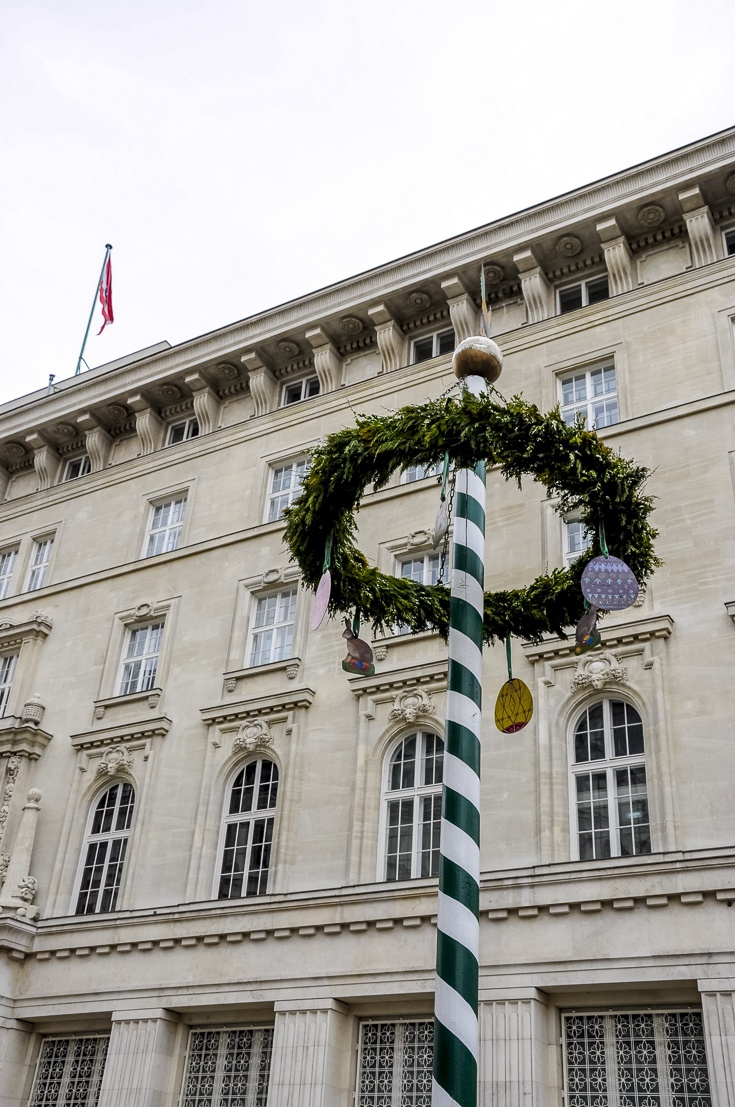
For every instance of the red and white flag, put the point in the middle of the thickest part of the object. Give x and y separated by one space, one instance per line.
106 295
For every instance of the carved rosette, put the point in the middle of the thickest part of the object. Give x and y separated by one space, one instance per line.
254 734
494 274
595 670
651 215
117 760
286 348
730 183
568 246
351 324
411 704
419 301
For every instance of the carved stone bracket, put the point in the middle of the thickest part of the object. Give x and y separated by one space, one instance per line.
595 670
327 362
263 385
534 286
462 309
700 226
254 734
391 341
618 258
411 704
206 402
148 425
45 459
97 440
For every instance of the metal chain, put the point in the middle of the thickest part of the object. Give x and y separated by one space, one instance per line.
445 542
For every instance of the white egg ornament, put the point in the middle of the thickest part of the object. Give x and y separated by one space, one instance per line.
478 356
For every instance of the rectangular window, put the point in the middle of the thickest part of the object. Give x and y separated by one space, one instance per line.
164 531
433 345
729 239
180 432
140 663
395 1064
7 672
424 569
580 295
227 1068
419 472
272 629
77 467
577 539
635 1059
40 558
69 1072
286 481
591 394
7 565
300 390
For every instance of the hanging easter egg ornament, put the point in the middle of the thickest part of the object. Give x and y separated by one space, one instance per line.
359 660
324 588
586 634
514 705
608 583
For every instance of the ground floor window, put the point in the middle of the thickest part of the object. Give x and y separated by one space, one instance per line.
228 1067
69 1072
636 1059
395 1064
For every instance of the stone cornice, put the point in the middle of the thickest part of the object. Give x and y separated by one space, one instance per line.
21 737
618 634
277 703
430 674
139 731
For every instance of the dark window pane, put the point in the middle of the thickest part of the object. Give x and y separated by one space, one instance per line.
597 290
570 299
446 342
423 349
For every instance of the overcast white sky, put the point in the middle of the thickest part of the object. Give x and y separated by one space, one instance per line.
239 153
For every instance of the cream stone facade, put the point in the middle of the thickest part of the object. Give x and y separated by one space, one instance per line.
173 733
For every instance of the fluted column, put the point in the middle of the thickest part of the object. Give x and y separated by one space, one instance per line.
312 1054
142 1060
718 1010
513 1069
17 1058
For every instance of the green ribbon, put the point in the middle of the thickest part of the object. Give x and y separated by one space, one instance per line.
603 541
507 657
328 551
356 625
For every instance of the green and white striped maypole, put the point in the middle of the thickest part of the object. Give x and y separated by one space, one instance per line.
458 930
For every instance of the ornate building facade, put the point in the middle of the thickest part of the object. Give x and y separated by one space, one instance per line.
218 850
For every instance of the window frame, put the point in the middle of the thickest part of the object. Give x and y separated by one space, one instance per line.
178 526
7 677
37 542
416 792
227 819
188 423
436 337
307 382
127 658
6 577
609 764
80 459
291 493
575 406
728 240
583 286
90 839
570 556
254 630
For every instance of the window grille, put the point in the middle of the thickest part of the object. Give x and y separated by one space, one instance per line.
636 1059
395 1064
227 1068
69 1072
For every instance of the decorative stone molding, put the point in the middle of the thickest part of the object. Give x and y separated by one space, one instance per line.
494 274
33 710
65 430
534 286
263 384
327 362
618 258
257 707
418 301
206 402
288 348
19 887
116 760
4 481
292 672
46 461
462 309
154 699
149 427
391 342
730 609
351 324
431 676
598 669
730 183
134 736
412 704
618 634
254 734
700 226
651 215
381 652
99 711
25 739
568 246
418 538
11 776
230 684
97 441
116 413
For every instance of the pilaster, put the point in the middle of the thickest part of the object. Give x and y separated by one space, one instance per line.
148 425
700 226
327 362
391 340
618 258
97 440
4 482
17 1055
313 1043
263 385
718 1011
19 887
206 402
536 291
513 1048
141 1066
462 310
46 461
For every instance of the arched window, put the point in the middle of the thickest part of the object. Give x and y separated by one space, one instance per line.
248 831
609 796
105 848
413 802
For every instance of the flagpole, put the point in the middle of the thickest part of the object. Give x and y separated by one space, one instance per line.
108 247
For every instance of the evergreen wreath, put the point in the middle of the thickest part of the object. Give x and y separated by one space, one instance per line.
569 461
